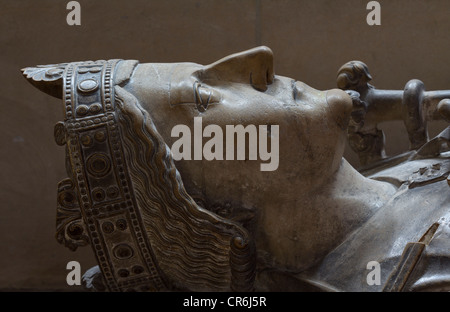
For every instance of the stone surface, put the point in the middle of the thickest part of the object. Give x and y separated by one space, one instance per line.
160 216
311 40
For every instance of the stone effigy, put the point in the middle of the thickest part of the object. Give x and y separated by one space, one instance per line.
264 199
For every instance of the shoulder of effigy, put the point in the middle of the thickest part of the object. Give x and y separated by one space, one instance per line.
403 219
385 242
432 272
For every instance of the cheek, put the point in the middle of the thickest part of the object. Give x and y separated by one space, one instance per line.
312 143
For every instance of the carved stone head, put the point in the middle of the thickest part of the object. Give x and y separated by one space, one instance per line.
161 213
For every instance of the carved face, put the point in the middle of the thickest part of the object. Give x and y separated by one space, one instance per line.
242 89
295 147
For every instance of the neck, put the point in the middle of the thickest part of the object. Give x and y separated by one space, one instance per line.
317 221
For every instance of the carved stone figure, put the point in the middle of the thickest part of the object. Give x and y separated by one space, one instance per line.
312 224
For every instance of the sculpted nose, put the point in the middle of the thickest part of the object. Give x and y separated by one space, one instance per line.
340 106
254 67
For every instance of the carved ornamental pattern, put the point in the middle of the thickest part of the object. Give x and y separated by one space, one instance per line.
101 203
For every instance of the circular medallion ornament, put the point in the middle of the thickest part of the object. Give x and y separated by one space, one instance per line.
123 273
98 194
112 191
121 224
137 269
82 110
98 164
88 85
108 227
86 140
100 136
95 108
123 251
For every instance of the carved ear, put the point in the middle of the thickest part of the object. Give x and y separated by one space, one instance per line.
47 78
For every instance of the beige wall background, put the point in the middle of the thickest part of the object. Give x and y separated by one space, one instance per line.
310 39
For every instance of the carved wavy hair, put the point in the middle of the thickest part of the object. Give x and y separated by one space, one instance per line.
194 248
353 75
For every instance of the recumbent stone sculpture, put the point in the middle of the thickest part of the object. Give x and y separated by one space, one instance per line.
312 223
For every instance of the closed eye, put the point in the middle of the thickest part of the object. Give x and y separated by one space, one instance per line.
201 96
